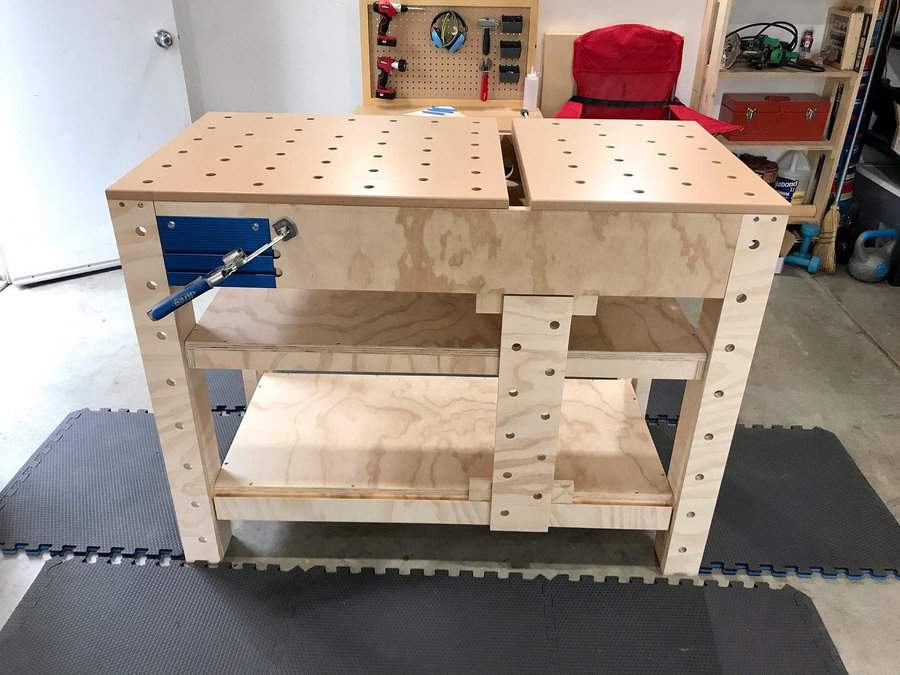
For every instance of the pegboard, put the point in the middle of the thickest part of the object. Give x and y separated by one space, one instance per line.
437 76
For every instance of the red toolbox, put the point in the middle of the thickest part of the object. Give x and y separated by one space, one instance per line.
776 117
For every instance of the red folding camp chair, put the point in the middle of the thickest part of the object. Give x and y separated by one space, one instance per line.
629 71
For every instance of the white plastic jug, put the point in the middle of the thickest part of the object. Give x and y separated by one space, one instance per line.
793 176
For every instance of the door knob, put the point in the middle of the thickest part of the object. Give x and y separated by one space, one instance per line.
164 38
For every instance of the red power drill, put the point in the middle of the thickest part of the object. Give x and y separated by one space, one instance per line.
388 10
387 65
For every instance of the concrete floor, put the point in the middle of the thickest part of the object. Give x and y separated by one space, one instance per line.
829 355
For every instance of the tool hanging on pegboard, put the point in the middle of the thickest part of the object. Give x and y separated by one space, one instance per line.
485 72
388 10
387 65
448 31
487 24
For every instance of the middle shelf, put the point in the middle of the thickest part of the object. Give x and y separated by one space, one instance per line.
374 332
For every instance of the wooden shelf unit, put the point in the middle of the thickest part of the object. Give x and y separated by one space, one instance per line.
450 343
746 72
841 86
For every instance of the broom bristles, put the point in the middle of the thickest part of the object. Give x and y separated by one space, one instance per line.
824 246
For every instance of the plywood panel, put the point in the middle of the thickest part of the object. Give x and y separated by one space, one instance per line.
640 165
533 346
442 512
180 401
328 436
315 159
710 408
284 329
513 251
557 83
283 321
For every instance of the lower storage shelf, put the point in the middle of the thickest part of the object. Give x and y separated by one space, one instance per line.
387 448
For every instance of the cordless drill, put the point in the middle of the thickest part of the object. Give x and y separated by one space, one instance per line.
387 65
388 10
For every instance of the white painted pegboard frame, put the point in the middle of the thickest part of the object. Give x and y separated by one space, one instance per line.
423 82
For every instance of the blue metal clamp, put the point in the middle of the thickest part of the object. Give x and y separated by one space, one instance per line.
231 263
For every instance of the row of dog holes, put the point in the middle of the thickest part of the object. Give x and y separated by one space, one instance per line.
141 231
661 154
211 174
550 372
719 393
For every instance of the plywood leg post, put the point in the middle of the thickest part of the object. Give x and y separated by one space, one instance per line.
251 379
729 328
533 352
178 393
642 392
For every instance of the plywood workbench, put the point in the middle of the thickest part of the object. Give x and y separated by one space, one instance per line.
411 270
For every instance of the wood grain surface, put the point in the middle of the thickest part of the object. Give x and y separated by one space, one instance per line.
316 159
388 437
533 353
362 331
646 165
179 395
513 251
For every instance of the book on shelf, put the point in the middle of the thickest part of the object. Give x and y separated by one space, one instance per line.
843 37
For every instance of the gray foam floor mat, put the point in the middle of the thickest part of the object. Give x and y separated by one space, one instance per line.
97 484
792 500
226 390
665 400
102 618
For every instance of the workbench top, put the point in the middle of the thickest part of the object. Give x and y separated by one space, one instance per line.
635 165
314 159
455 162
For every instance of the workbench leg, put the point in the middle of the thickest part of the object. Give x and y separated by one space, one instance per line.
178 393
534 347
642 392
729 329
251 379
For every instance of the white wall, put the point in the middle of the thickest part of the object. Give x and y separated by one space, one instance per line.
303 55
270 55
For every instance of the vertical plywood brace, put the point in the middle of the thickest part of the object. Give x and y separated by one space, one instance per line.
729 329
533 349
178 393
